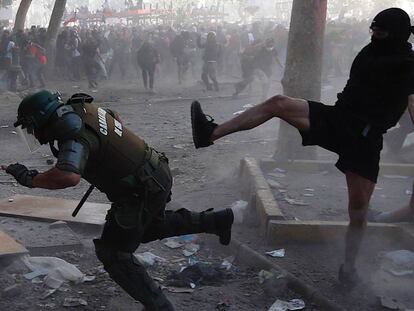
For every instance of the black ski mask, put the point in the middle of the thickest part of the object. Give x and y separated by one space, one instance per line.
397 23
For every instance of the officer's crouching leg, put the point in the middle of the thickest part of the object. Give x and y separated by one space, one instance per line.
132 277
183 221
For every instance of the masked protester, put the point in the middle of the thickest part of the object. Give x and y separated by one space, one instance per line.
212 54
258 60
148 58
380 86
92 143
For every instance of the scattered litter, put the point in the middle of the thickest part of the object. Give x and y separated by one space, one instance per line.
279 253
378 188
179 290
192 260
295 202
238 208
227 263
277 175
401 259
192 285
264 275
400 273
14 132
188 238
11 200
199 274
294 304
178 260
50 305
223 306
74 302
190 249
52 282
48 293
238 112
408 192
89 278
170 137
395 176
391 303
172 243
308 194
54 268
4 126
148 258
247 106
309 189
273 183
37 280
180 146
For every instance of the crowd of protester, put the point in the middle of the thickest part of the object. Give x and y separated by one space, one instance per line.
179 52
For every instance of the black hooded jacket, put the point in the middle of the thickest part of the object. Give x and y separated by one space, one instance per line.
382 75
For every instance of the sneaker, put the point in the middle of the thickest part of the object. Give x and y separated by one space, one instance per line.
348 279
202 126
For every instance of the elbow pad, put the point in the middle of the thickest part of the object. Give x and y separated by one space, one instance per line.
72 156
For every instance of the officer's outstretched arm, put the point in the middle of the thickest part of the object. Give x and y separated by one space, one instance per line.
56 179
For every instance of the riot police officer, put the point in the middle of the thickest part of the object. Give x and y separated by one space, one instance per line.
92 143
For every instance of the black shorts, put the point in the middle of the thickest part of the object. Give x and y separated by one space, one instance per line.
337 131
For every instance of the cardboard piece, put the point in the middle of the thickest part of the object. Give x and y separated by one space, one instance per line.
52 209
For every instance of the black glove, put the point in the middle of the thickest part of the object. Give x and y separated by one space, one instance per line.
23 175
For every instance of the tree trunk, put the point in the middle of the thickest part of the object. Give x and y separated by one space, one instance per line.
52 30
302 77
21 15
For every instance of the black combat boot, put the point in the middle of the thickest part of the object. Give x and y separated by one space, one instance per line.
202 126
183 221
218 223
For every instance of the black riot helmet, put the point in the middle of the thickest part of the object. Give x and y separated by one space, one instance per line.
396 23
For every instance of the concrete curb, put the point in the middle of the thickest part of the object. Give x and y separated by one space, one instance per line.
258 192
248 256
318 165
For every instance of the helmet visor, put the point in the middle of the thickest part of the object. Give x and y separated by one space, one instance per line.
27 136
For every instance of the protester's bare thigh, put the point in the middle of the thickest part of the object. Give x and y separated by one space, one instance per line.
295 111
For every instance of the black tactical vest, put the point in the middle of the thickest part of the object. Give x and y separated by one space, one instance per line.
112 166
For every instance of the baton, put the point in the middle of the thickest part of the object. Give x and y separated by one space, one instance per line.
82 201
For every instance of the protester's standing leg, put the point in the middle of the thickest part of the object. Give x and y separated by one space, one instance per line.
151 74
360 191
212 73
40 75
145 77
204 76
247 74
